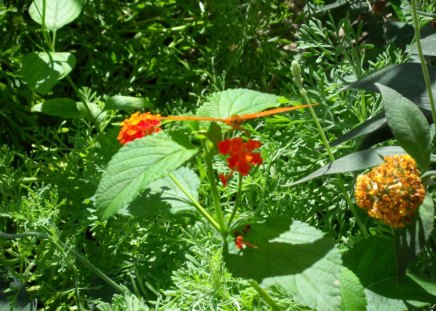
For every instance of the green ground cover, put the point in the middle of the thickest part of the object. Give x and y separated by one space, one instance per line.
217 214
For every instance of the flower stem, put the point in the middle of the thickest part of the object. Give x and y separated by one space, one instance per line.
214 190
265 295
422 60
196 204
238 198
299 82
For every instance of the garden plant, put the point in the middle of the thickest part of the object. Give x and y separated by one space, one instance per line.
217 155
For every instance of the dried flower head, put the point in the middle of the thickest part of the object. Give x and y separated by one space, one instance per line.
241 156
392 191
137 126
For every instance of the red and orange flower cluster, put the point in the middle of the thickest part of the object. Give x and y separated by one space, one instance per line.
138 126
241 156
392 191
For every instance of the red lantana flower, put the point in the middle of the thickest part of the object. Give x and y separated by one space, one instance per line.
138 126
241 156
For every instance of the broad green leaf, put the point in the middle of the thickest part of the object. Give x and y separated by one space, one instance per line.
237 102
352 292
164 196
96 112
407 79
411 240
55 13
428 45
43 70
408 124
353 162
373 262
293 256
127 103
58 107
136 165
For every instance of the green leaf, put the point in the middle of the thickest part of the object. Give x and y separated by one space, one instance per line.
136 165
405 78
164 196
56 13
411 240
428 45
43 70
96 112
353 162
373 262
127 103
291 255
352 292
58 107
237 102
408 124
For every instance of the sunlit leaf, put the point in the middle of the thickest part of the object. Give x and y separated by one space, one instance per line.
293 256
408 124
136 165
127 103
43 70
352 292
56 13
58 107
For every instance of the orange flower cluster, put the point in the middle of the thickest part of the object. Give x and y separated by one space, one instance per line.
137 126
241 156
392 191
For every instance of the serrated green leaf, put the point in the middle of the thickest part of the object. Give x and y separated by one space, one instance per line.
164 196
353 162
408 124
42 71
237 102
58 107
411 240
56 13
291 255
352 292
136 165
373 262
127 103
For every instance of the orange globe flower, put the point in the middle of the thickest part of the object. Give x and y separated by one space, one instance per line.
138 126
241 156
392 191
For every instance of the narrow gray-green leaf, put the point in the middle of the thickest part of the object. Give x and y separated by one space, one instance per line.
408 124
136 165
43 70
353 162
58 107
56 13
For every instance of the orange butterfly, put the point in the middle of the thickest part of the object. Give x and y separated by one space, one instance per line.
235 121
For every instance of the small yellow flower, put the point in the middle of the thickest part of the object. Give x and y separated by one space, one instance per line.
392 191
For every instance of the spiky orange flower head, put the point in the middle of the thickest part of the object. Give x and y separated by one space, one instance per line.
392 191
241 156
138 126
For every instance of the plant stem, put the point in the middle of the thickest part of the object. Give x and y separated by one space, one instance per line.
238 198
214 190
196 204
265 295
422 61
299 82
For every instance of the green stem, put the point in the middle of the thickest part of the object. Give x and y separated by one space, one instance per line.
265 295
299 81
214 190
422 60
238 199
196 204
85 103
